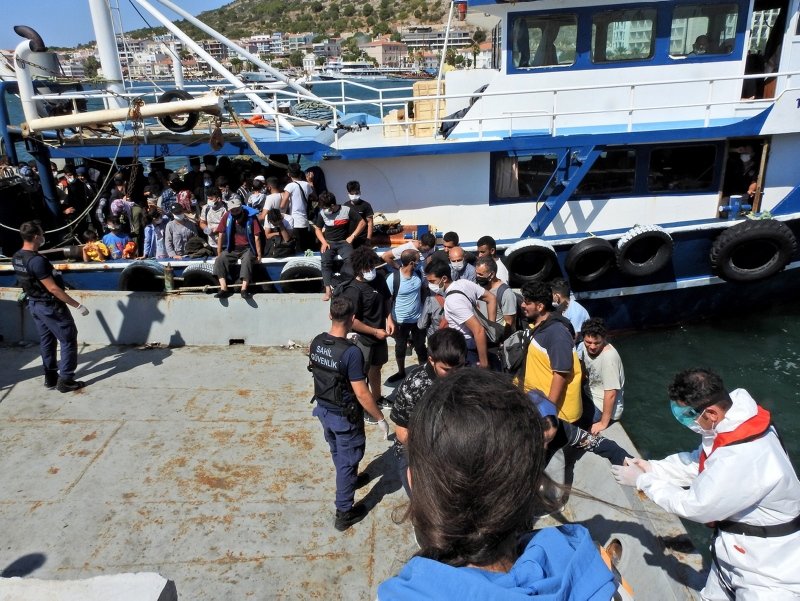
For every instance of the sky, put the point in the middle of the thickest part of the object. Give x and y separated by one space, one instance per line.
68 22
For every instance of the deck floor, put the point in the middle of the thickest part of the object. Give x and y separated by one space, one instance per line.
204 464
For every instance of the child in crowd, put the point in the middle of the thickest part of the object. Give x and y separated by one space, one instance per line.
94 250
115 240
154 247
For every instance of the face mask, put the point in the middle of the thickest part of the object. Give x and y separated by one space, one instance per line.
70 179
745 158
113 228
179 217
482 281
354 197
457 265
435 289
207 183
687 416
369 275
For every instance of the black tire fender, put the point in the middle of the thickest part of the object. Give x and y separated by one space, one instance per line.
644 250
142 276
589 259
167 121
199 274
530 260
301 268
752 250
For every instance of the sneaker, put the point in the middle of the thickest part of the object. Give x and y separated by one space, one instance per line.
246 294
385 403
345 519
223 294
51 380
399 376
362 480
370 420
69 385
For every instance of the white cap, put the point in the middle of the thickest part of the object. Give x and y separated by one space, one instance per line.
260 178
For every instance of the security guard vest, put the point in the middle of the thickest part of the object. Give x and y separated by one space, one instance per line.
30 284
331 386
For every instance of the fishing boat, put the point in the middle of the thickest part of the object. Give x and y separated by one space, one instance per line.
644 150
352 70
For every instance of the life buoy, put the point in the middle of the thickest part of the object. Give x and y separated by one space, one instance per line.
142 276
298 269
198 275
589 259
530 261
644 250
168 121
752 250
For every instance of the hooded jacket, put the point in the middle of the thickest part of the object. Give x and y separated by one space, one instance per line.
557 564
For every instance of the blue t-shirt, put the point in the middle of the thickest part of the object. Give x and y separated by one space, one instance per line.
408 304
116 244
353 367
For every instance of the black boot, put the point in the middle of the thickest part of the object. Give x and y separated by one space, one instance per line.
345 519
50 379
69 385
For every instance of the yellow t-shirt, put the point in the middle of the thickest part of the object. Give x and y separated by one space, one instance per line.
552 349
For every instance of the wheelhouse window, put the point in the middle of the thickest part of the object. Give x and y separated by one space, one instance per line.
682 169
524 177
623 35
614 172
700 29
544 40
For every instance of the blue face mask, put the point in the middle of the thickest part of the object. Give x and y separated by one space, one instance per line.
686 416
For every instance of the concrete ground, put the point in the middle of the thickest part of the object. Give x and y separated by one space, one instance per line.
205 465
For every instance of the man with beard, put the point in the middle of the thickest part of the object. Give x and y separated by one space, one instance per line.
238 237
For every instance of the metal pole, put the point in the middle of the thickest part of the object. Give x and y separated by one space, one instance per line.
107 49
237 49
8 139
216 65
441 69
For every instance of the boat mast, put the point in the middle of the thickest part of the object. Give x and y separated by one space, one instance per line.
237 49
107 49
219 68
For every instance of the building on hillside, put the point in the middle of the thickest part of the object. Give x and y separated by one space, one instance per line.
298 41
329 48
216 49
432 38
386 53
309 62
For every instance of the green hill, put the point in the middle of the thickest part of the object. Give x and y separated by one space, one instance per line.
242 18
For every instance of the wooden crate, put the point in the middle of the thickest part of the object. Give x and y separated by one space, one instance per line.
396 125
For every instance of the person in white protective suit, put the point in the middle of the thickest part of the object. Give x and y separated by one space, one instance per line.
740 482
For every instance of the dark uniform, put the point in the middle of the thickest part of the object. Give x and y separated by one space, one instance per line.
334 363
52 317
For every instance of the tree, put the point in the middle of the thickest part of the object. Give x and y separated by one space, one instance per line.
236 64
91 66
479 37
296 59
367 10
348 10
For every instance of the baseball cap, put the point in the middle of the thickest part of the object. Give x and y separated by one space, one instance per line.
259 178
234 202
81 171
542 403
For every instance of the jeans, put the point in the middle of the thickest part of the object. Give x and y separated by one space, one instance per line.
341 248
347 442
55 324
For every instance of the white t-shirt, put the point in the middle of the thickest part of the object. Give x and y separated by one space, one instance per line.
604 372
299 209
288 225
458 308
273 201
505 306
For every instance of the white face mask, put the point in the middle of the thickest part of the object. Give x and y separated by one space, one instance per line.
435 289
354 197
369 275
179 217
745 158
457 265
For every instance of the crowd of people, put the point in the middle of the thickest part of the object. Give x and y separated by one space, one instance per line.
473 439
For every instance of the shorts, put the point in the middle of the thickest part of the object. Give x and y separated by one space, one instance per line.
375 354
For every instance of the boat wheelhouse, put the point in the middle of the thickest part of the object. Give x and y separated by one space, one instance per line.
606 145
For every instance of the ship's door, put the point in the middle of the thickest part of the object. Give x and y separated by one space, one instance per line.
772 46
744 178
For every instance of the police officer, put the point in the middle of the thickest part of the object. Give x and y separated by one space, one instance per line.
48 302
342 395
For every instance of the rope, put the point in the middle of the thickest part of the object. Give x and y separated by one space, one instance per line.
270 282
250 142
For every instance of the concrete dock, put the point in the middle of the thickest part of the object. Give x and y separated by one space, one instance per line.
205 465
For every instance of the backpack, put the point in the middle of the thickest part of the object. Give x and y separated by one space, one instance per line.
494 331
514 350
520 321
339 283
